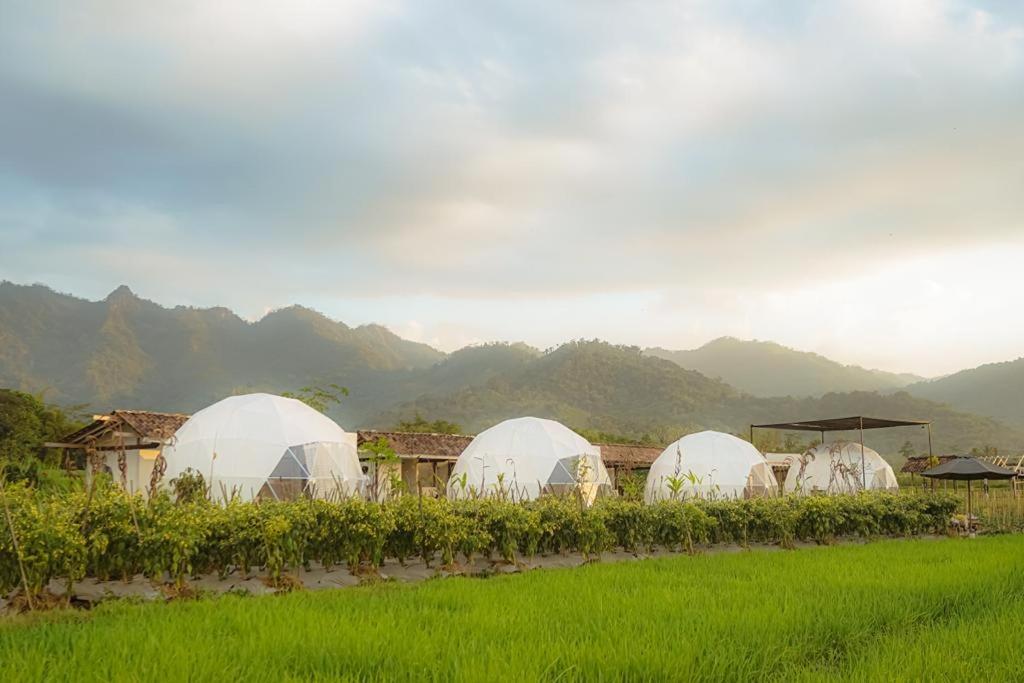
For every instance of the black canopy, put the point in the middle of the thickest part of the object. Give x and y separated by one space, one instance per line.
967 469
842 424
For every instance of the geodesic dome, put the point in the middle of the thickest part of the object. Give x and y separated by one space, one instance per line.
709 465
266 446
525 457
836 468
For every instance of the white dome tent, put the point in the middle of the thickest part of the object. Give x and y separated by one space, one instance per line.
709 465
836 468
266 446
525 457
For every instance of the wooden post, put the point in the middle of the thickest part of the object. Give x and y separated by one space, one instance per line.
929 427
968 505
17 549
863 471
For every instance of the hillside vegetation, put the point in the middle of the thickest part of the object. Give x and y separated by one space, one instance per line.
126 352
769 369
996 389
600 387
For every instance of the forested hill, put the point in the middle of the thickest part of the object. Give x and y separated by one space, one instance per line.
996 389
620 390
126 352
769 369
129 352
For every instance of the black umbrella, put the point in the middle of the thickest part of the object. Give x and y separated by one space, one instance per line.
968 469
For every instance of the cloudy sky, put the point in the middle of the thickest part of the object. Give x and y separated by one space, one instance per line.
842 177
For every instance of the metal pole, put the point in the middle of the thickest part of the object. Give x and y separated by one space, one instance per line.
929 426
863 472
968 506
751 434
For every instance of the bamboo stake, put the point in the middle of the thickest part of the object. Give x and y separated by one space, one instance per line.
17 547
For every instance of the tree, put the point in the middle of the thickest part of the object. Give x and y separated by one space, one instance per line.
793 444
907 450
986 451
318 397
379 453
419 424
26 421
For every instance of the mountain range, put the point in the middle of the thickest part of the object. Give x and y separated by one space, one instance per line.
125 351
768 369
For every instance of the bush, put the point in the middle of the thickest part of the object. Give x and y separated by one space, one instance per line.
108 533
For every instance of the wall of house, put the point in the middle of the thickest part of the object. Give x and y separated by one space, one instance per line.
138 464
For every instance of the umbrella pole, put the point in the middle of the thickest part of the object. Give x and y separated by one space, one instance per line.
968 506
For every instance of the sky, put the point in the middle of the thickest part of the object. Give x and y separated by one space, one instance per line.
839 177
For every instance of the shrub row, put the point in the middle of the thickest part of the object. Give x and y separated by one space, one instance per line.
109 534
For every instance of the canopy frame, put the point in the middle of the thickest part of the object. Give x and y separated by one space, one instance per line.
847 424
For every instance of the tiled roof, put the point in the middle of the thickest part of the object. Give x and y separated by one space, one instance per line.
419 443
158 426
147 424
628 455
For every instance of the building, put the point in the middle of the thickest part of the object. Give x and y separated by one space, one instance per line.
133 439
424 460
123 443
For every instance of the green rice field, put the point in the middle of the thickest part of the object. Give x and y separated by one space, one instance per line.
923 609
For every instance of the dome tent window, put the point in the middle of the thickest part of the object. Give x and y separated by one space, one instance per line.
266 447
524 458
709 465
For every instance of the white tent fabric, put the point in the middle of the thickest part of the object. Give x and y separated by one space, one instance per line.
261 445
836 468
709 465
525 457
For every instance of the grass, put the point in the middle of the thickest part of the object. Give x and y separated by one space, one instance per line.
891 610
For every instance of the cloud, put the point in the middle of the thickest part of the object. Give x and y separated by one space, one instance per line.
359 153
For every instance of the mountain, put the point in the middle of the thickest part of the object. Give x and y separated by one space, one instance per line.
769 369
125 350
995 389
596 386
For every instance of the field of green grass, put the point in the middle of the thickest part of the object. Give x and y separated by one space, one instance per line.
889 610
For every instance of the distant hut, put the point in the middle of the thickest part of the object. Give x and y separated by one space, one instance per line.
424 460
124 443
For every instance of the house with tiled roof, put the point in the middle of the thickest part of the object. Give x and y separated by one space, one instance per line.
124 443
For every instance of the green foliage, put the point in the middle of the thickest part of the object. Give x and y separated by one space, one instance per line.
139 354
26 421
110 534
376 453
420 424
994 389
631 485
318 397
907 450
189 486
616 393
